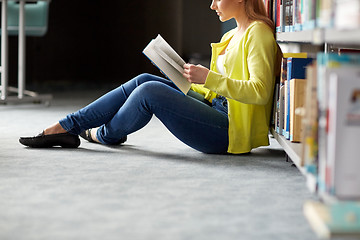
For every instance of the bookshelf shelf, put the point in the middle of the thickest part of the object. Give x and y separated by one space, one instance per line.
298 37
329 39
320 36
349 37
293 150
330 216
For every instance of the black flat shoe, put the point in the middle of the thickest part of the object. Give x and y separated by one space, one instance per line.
65 140
87 136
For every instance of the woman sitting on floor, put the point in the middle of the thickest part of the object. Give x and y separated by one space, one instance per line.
241 78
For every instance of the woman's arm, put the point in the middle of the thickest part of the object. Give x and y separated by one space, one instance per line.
257 68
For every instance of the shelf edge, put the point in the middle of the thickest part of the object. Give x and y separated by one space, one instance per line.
293 150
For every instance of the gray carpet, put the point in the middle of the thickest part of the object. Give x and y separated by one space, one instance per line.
152 187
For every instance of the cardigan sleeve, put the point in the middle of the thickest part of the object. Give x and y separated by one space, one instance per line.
208 94
258 49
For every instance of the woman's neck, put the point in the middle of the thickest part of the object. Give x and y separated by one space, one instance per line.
243 26
242 20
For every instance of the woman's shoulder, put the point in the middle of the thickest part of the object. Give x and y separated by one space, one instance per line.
259 31
260 27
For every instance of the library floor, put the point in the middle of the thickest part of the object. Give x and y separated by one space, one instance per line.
152 187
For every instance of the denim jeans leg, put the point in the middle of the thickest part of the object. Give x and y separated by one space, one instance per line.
193 122
103 109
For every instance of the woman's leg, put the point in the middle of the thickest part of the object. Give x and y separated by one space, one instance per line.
190 120
103 109
65 132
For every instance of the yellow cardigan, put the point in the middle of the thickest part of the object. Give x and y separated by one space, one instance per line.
247 84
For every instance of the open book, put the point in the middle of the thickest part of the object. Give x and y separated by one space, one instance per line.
163 56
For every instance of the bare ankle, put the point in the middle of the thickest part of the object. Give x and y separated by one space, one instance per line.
93 134
54 129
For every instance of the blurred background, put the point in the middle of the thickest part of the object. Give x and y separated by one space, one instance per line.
96 42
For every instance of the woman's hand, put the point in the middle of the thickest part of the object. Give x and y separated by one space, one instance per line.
195 73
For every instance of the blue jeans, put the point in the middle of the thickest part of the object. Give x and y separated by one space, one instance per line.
130 107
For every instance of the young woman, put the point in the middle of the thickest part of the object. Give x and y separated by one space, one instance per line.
226 111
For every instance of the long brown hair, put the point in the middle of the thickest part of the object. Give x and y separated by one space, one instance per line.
255 10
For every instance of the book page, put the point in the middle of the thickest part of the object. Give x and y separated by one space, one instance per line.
168 61
169 54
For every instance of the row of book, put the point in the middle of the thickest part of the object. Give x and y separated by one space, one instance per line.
297 15
332 125
331 146
290 93
318 104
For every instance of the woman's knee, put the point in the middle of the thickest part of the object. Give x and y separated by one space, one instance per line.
143 78
151 88
153 93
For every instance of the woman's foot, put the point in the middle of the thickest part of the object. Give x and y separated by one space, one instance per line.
65 140
54 129
90 135
51 137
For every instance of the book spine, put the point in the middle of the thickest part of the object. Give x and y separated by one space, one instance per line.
287 12
309 151
280 128
286 131
282 16
297 15
297 98
286 128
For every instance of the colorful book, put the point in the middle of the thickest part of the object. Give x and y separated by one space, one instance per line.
274 110
280 116
309 14
280 15
343 149
297 99
309 151
296 68
282 92
286 125
327 64
288 14
333 220
326 12
297 20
